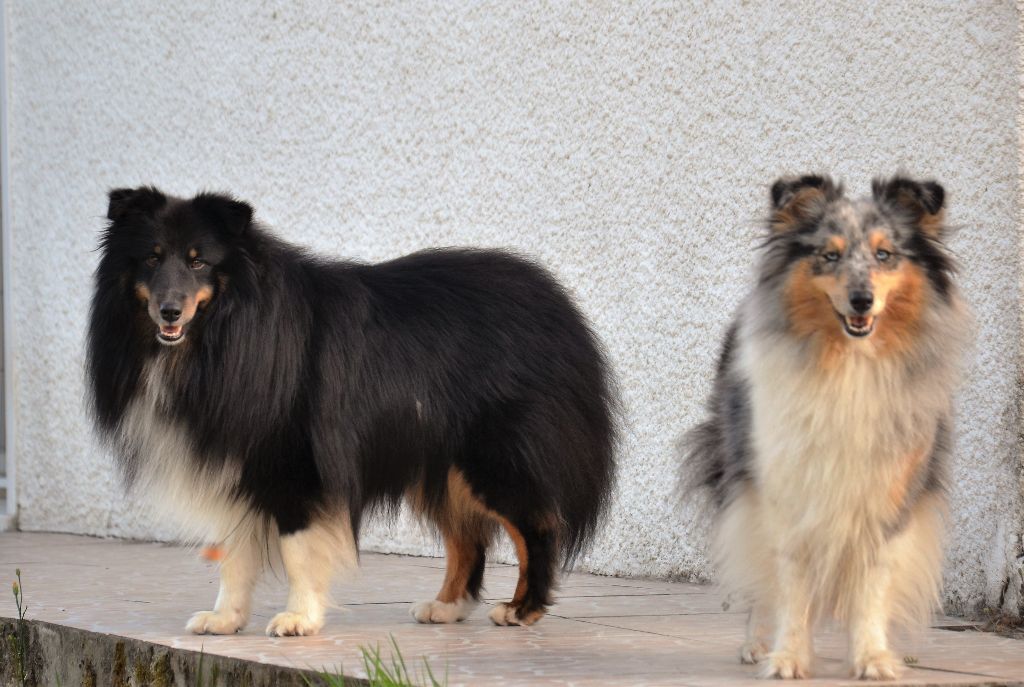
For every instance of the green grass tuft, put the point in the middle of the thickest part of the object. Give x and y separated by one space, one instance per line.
199 668
393 672
21 645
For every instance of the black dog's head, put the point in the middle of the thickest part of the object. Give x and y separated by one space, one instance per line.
172 248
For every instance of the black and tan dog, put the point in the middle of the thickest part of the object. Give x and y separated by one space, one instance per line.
270 398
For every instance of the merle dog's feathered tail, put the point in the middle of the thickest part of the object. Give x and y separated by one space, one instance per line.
714 454
702 460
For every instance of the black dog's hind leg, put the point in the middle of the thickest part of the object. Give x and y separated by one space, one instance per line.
463 579
537 549
468 529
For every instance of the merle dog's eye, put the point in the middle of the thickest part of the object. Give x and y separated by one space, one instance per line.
153 260
831 256
197 263
882 255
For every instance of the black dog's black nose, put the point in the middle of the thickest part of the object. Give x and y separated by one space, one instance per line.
861 301
170 313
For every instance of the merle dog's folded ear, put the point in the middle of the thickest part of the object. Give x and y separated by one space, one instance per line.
233 216
142 200
798 201
919 202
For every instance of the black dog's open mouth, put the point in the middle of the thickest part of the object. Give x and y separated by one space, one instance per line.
170 334
857 326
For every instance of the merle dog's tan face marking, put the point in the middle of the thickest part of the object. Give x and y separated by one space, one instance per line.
855 264
851 269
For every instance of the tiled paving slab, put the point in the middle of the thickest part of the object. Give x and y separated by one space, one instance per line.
602 630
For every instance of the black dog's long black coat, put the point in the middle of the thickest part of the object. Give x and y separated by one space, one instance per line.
342 387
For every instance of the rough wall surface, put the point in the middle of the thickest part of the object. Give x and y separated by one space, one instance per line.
630 149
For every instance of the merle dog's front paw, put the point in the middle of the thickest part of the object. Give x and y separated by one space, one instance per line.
787 665
878 666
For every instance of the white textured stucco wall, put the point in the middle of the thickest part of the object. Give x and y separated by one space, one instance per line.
629 149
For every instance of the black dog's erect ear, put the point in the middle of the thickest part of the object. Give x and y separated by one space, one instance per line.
920 202
798 200
143 200
233 216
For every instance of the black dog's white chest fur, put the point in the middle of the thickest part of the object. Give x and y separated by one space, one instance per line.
164 465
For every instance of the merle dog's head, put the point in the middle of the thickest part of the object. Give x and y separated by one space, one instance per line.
172 251
854 268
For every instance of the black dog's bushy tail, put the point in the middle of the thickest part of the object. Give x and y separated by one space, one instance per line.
589 497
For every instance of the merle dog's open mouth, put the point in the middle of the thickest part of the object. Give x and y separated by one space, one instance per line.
170 334
857 326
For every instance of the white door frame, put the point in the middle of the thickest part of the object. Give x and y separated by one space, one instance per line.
8 520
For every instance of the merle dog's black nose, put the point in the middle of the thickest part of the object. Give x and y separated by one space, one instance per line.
170 313
861 301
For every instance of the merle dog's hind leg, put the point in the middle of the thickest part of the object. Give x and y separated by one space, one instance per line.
238 572
311 557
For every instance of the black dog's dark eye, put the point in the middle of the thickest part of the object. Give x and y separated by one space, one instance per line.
197 264
882 255
153 260
831 256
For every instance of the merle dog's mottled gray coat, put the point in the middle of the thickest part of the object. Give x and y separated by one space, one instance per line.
719 449
828 427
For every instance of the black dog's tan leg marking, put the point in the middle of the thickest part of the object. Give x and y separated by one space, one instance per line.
458 597
467 530
464 556
535 549
506 613
468 524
